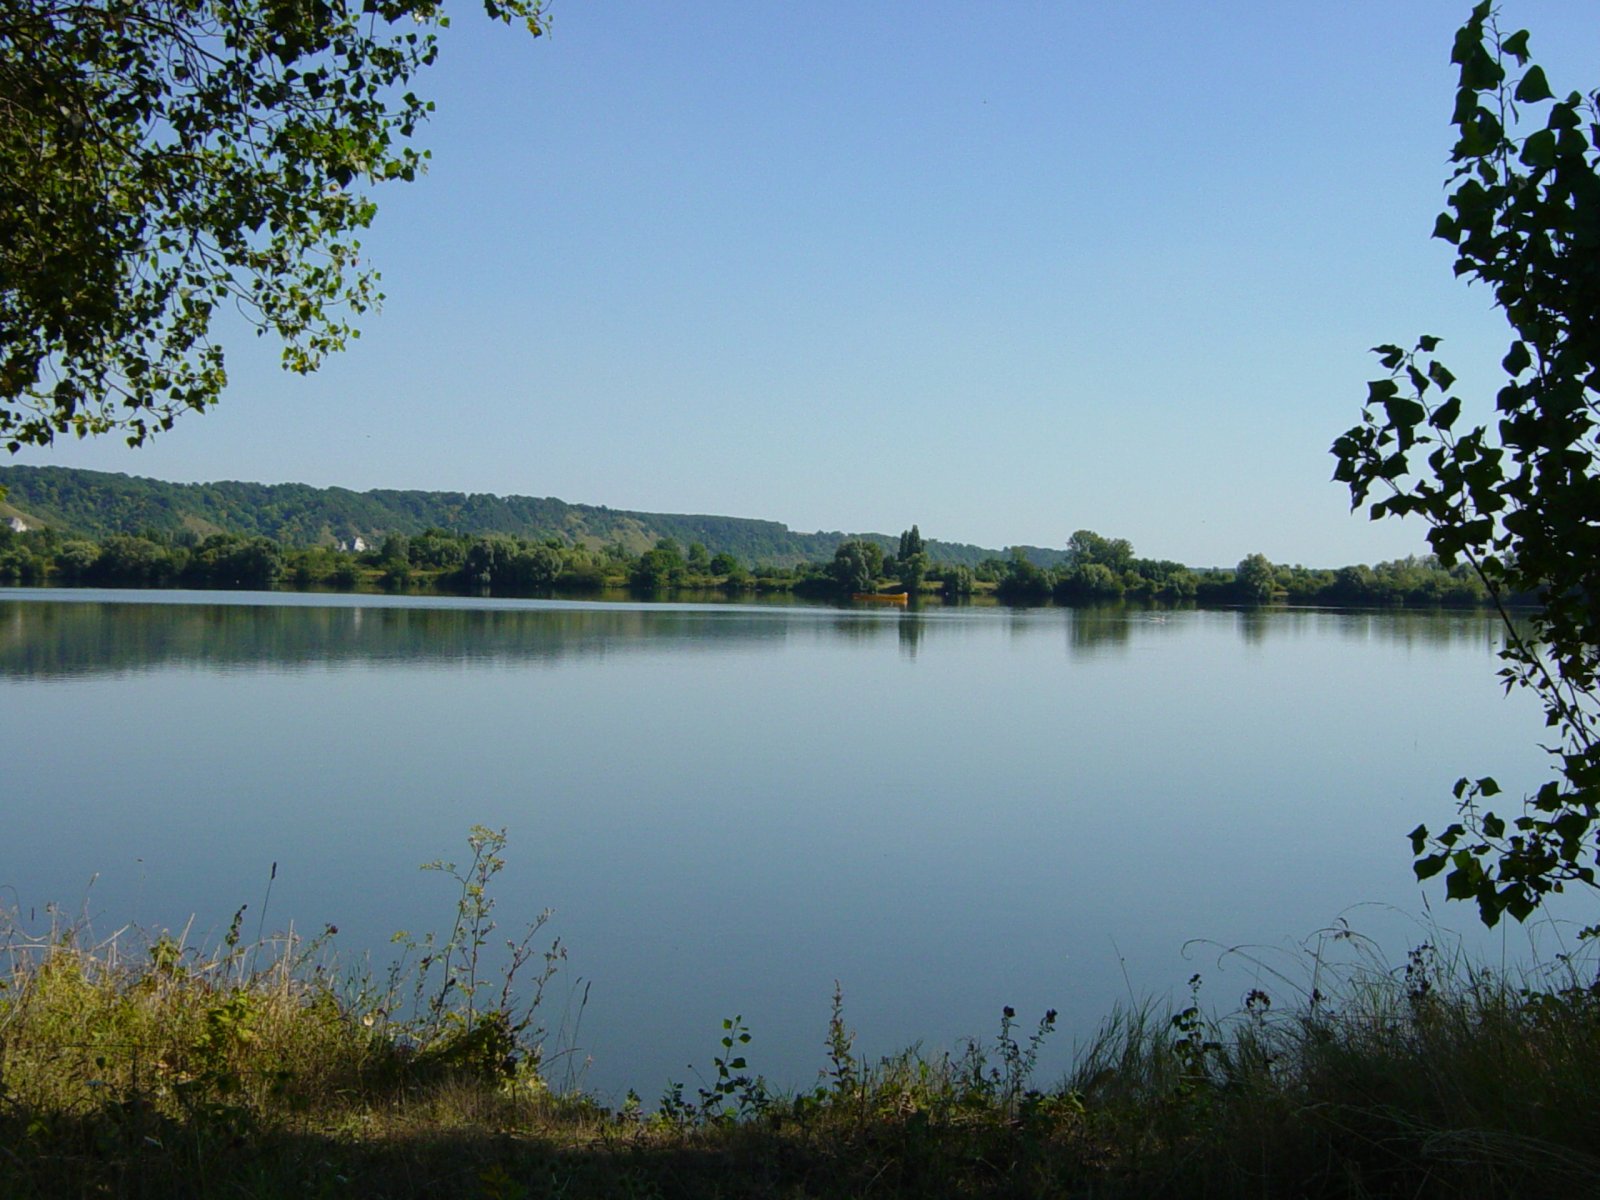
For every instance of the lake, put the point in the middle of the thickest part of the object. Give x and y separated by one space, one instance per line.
730 807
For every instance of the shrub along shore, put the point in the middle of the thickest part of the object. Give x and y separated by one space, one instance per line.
264 1069
1094 569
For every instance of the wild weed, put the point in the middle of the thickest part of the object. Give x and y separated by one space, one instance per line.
731 1097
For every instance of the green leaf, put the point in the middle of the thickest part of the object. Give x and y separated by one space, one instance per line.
1480 71
1429 866
1539 150
1533 87
1404 413
1517 359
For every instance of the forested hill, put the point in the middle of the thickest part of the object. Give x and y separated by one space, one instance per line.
97 504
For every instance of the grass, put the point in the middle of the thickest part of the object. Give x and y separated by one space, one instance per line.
154 1069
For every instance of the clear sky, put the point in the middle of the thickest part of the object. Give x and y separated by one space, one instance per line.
1003 270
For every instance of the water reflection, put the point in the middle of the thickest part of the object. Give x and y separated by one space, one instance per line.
1094 631
910 628
43 636
57 639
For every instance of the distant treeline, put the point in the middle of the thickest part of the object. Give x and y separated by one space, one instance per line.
98 505
1093 569
1100 569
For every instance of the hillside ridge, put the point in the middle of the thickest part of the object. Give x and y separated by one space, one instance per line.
98 504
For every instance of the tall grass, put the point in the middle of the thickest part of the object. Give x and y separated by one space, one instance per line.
146 1068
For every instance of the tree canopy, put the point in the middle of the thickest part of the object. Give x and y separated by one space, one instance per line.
1516 496
163 162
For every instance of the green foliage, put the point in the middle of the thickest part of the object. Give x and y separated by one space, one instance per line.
1023 581
731 1097
659 569
396 549
227 561
76 559
1086 547
855 566
1256 579
911 560
453 1026
135 560
97 504
165 161
955 582
434 549
520 556
1517 500
1088 581
488 561
911 544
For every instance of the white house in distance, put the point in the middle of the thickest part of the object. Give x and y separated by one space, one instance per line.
356 545
17 524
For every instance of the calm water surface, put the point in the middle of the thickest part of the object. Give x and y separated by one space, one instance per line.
729 808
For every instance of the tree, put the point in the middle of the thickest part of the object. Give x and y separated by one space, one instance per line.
75 559
126 559
488 560
1518 498
1088 581
853 568
956 582
227 560
659 568
911 563
911 544
1023 581
165 161
396 550
1086 546
1255 579
437 550
537 567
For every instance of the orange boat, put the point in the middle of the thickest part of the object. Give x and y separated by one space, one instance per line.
880 597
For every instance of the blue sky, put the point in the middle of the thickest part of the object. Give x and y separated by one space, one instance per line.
1005 271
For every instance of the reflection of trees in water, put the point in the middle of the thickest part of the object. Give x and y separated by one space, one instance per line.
1397 626
910 628
49 638
61 638
1253 625
1406 627
860 627
1095 629
1098 628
